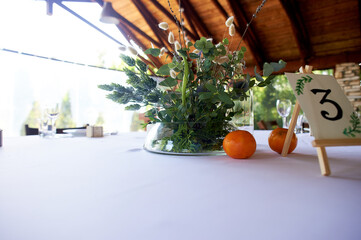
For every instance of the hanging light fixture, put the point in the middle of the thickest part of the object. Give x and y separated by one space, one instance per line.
109 15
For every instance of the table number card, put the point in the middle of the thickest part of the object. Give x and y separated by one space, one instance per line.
329 112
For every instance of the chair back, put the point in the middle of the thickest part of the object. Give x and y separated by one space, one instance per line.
31 131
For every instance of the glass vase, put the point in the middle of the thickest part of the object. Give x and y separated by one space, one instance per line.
187 138
244 117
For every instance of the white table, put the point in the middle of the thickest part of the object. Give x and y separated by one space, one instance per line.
110 188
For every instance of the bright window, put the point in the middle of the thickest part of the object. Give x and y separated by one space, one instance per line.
27 83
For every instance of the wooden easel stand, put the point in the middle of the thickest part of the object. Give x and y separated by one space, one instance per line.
319 144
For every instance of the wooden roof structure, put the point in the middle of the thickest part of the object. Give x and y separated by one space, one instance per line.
320 33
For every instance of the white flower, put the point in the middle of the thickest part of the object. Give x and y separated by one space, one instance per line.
122 48
177 45
171 38
132 50
173 74
232 30
196 51
162 51
163 26
229 21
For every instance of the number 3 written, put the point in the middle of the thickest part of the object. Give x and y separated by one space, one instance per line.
324 99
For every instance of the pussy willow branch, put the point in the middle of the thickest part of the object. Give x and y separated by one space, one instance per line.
182 25
249 23
176 20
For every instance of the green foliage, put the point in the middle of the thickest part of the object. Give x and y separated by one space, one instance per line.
153 51
142 89
355 127
203 45
199 89
65 118
265 99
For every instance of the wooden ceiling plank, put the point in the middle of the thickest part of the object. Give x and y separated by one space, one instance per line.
220 8
359 10
152 22
170 17
194 16
299 29
250 38
131 25
128 34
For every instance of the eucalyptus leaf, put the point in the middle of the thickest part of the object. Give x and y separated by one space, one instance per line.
182 52
163 70
205 95
258 77
153 51
225 98
211 87
278 66
251 83
172 65
267 69
168 82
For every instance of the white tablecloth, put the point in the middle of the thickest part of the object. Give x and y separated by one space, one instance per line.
110 188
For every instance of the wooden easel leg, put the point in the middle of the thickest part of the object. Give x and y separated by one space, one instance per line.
323 161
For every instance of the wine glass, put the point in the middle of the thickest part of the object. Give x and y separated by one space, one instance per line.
299 122
52 111
284 109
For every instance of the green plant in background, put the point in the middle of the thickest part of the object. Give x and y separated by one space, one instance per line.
265 99
201 84
33 117
65 118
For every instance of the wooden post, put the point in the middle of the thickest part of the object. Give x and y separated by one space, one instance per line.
323 161
296 111
291 128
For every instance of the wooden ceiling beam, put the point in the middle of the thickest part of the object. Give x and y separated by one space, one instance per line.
359 10
128 34
250 38
170 17
152 23
318 63
194 16
131 25
299 29
220 8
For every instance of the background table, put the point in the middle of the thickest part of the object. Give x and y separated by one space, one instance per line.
110 188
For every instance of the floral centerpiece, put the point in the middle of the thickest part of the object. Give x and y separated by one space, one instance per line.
193 105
